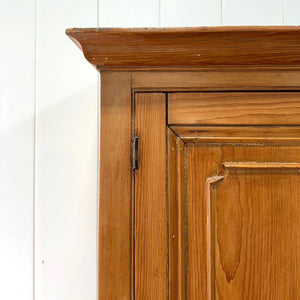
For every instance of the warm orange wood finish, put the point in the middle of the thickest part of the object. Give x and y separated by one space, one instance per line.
233 134
234 108
188 47
150 198
176 208
213 210
115 188
241 79
253 220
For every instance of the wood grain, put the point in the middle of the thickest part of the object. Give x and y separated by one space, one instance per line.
257 214
189 47
200 164
213 210
150 198
250 78
239 108
177 224
271 166
115 187
234 134
211 183
254 211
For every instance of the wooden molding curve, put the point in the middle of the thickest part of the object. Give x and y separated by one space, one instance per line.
167 48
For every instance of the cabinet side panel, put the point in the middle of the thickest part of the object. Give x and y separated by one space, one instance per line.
150 198
115 187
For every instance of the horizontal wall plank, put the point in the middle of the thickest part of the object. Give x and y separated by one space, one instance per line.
255 12
129 13
291 12
180 13
234 108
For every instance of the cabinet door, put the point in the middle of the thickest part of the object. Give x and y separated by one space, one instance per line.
217 196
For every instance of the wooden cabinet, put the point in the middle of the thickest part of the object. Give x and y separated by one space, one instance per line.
200 162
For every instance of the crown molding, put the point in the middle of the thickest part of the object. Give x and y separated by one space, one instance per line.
201 47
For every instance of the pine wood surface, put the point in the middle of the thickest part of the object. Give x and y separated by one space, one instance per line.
115 188
189 47
253 208
231 79
176 214
213 210
150 198
234 134
238 108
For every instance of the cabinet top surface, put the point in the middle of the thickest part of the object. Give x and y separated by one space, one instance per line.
191 48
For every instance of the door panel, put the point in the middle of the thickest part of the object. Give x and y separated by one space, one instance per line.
244 210
217 206
254 216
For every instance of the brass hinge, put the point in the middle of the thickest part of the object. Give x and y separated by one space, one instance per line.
135 152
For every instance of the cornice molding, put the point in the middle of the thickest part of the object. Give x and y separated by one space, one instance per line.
202 47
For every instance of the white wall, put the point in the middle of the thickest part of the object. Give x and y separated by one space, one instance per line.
49 116
16 149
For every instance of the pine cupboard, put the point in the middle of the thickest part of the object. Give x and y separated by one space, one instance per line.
200 162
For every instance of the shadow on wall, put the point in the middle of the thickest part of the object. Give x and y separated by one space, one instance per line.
66 192
66 179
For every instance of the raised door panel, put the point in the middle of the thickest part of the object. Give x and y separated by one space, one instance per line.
253 215
242 194
243 212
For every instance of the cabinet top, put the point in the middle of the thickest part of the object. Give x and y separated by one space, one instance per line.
189 48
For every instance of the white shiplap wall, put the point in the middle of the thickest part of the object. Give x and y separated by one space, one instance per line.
17 23
66 155
49 116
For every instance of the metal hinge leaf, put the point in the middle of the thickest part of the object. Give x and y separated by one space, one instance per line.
135 153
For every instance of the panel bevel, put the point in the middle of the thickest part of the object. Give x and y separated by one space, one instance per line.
250 201
239 134
177 218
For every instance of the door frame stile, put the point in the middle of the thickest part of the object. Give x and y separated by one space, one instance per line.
115 200
150 197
